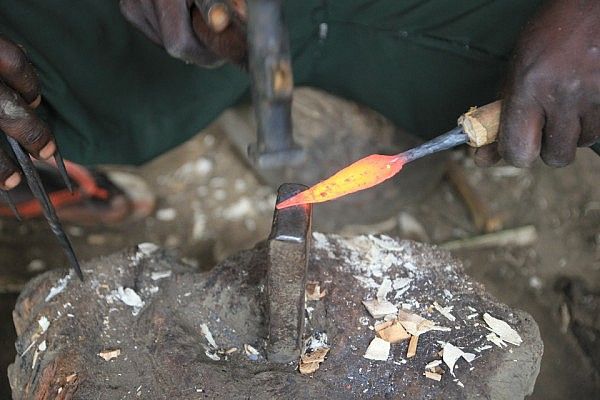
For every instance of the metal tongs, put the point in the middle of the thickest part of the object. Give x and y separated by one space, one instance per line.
37 188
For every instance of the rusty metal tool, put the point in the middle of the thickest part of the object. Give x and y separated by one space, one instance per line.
272 81
288 248
35 185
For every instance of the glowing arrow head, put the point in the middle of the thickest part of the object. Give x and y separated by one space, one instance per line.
363 174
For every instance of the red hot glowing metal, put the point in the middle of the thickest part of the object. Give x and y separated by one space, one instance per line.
371 171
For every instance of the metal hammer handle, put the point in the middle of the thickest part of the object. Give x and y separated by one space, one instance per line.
481 124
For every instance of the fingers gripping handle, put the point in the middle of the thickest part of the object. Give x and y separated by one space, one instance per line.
481 123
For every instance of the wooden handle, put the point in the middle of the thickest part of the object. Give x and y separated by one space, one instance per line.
481 123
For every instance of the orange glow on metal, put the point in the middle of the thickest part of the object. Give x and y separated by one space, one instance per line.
363 174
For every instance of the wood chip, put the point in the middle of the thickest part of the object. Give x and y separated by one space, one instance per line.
313 291
445 311
452 354
379 309
310 362
378 350
433 375
308 368
108 355
433 364
412 346
316 356
392 333
315 350
71 378
416 325
384 289
503 330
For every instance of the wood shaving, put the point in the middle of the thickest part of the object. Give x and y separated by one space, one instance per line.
445 311
503 330
384 289
314 352
416 325
492 337
379 309
314 292
392 332
452 354
378 350
310 362
108 355
433 364
433 375
208 335
412 346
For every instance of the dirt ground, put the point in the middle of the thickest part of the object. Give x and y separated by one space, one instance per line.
210 205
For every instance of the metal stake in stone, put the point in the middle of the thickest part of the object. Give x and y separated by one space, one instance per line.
288 249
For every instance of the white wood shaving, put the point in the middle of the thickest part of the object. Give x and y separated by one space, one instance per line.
108 355
160 275
503 330
379 309
492 337
208 335
384 289
433 364
147 248
445 311
452 354
378 350
44 323
60 286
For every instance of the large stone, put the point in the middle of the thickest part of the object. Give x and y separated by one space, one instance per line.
164 352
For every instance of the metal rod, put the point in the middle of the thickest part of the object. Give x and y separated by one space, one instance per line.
60 165
35 184
8 200
446 141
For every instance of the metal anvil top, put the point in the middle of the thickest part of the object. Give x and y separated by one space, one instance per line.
288 250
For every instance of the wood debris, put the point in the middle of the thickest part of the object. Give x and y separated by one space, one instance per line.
378 350
492 337
412 346
451 354
384 289
433 364
314 292
379 309
314 352
310 362
251 352
503 330
208 335
433 375
445 311
417 325
391 331
108 355
71 378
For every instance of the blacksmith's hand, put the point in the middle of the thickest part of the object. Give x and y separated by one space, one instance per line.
552 100
204 32
19 95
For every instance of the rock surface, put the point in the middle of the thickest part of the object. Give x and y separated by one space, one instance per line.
176 333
